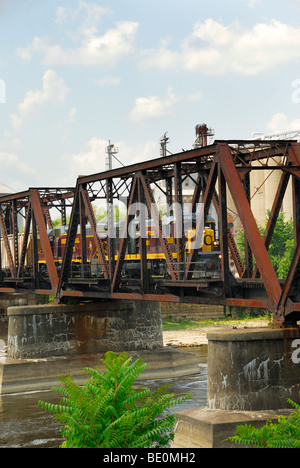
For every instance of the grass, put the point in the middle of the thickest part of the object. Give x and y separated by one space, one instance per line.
182 324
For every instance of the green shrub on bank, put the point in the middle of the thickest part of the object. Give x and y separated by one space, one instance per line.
108 411
283 434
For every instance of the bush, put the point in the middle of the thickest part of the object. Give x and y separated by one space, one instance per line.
284 434
109 412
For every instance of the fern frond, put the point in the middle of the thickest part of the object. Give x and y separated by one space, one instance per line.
109 411
285 433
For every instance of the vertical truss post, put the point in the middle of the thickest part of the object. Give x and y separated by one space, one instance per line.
25 242
291 286
124 239
63 212
248 252
294 156
142 240
14 214
35 259
231 242
6 243
254 238
179 225
92 220
152 208
207 198
83 235
111 231
72 231
296 208
224 234
169 190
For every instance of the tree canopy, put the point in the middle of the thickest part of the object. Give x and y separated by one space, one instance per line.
281 248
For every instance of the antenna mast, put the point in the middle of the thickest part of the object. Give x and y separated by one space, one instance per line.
111 150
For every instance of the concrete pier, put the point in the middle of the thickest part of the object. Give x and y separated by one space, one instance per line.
43 331
252 369
251 374
49 340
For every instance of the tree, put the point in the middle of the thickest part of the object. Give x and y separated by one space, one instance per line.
108 411
281 248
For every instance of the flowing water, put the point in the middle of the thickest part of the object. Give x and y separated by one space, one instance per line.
25 425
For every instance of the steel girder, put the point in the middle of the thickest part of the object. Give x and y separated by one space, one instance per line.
24 219
217 170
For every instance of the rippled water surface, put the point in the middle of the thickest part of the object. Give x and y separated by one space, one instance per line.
25 425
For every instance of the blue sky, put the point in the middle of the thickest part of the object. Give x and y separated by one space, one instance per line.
75 74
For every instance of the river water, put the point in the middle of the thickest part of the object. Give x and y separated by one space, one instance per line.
23 424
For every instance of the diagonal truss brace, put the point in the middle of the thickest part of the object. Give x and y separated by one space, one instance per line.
40 222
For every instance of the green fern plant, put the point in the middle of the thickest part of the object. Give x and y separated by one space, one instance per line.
109 411
283 434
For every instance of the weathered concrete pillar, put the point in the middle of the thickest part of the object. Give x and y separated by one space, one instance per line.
250 375
252 369
66 330
10 300
50 340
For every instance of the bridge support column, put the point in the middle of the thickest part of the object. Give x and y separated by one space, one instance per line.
43 331
49 340
251 373
253 369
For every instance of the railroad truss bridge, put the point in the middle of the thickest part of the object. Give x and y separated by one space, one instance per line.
147 254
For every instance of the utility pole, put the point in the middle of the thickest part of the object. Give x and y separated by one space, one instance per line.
163 145
111 150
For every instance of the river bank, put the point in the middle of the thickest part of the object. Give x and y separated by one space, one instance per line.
194 337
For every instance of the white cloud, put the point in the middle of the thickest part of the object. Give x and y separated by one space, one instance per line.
108 81
87 46
71 114
53 90
92 13
13 162
153 106
86 162
213 48
253 3
195 97
280 123
92 160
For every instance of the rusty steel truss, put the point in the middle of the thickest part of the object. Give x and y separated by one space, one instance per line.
218 170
